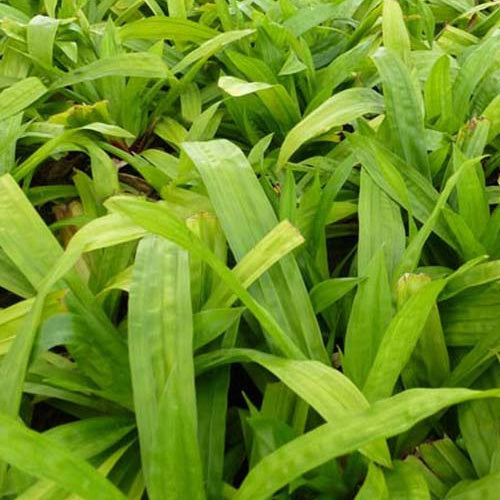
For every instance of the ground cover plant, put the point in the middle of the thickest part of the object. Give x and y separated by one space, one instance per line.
249 249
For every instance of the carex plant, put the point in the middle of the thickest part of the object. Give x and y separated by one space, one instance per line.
249 249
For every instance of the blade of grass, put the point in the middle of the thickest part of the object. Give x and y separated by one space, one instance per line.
412 254
19 96
374 485
384 419
405 482
470 74
394 32
342 108
145 65
327 292
246 216
327 390
211 47
399 340
369 317
212 401
41 457
377 210
159 220
404 110
280 241
160 349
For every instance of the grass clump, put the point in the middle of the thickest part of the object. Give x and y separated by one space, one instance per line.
249 250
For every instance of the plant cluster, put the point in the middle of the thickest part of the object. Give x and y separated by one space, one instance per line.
249 249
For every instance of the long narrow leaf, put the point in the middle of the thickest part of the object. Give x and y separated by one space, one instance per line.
160 348
41 457
386 418
246 216
342 108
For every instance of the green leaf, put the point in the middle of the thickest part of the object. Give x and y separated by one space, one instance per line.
159 220
404 110
471 318
342 108
12 317
429 365
328 195
412 254
251 68
274 97
104 171
327 292
384 419
44 275
478 275
480 427
405 482
170 28
473 69
209 324
211 47
39 248
277 243
403 184
39 456
212 401
394 31
203 280
19 96
144 65
446 460
370 315
471 194
160 350
16 14
100 233
73 332
311 380
485 488
40 36
436 487
374 487
399 340
177 8
438 95
91 436
12 279
106 129
377 210
309 17
280 241
339 70
292 65
246 216
237 87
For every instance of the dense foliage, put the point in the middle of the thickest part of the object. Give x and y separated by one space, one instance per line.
249 249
